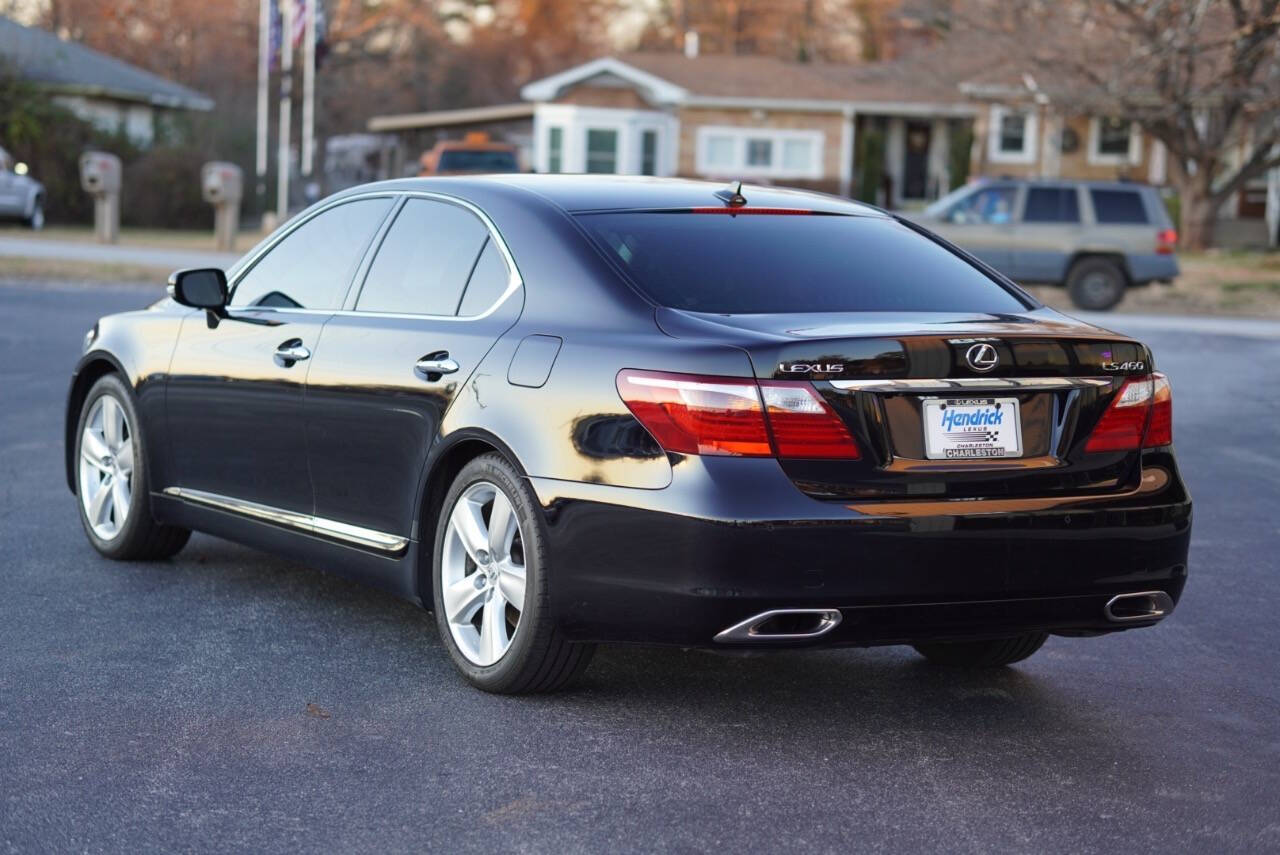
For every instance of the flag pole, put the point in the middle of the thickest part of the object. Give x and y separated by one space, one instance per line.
309 87
286 109
264 51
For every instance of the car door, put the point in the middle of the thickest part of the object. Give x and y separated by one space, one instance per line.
235 389
437 294
1047 233
982 223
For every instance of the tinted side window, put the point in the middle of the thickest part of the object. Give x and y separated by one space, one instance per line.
312 267
790 264
1118 206
424 261
1052 205
488 281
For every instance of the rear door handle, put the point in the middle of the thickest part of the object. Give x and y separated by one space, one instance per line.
434 365
290 352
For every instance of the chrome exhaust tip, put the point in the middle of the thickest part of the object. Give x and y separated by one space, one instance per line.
1142 606
782 625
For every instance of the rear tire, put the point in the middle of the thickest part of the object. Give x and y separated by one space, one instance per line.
992 653
113 492
36 220
490 585
1096 284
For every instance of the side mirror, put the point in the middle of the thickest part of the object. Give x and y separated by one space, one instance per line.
201 288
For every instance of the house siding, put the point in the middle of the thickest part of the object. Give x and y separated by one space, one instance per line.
587 95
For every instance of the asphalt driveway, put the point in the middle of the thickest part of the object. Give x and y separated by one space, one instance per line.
230 700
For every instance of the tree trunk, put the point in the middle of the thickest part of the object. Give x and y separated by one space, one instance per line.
1198 212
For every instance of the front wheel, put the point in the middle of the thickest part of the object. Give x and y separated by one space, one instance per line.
991 653
491 588
36 219
111 478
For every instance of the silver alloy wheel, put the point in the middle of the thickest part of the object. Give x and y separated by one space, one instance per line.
1098 286
482 573
106 467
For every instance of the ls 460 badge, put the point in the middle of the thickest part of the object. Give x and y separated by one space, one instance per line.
1124 366
810 368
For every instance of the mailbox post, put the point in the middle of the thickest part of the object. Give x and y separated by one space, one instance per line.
222 186
100 176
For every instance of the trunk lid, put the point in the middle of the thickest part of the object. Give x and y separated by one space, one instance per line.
881 371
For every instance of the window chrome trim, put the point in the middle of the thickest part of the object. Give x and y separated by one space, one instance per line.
973 383
356 535
514 280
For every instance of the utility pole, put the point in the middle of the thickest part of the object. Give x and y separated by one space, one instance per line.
309 87
286 109
264 71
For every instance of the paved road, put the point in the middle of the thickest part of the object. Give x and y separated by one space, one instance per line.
165 706
96 253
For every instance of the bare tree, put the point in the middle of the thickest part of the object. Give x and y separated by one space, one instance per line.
1201 76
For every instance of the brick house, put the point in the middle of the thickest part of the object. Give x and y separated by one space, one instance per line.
751 117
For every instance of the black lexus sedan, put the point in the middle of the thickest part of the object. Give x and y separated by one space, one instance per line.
565 410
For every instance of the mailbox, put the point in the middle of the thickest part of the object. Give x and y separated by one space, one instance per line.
101 176
222 186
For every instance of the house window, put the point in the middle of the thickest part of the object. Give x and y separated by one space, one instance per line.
602 151
555 150
727 152
760 153
648 152
797 155
1012 135
1113 141
719 151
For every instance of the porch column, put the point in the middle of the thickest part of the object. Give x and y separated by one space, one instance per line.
894 148
848 144
940 156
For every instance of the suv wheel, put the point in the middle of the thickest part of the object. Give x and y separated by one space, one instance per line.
1096 284
490 585
36 220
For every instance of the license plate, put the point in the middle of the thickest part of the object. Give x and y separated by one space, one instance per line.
971 428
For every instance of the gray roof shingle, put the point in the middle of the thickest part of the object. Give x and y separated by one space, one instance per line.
44 59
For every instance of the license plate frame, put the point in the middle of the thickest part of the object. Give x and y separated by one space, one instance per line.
982 435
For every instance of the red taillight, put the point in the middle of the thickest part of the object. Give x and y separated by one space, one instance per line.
691 414
1166 241
803 425
694 414
1140 416
1160 430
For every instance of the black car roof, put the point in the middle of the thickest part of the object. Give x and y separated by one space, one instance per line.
578 193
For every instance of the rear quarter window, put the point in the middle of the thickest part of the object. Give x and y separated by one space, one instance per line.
757 264
1118 206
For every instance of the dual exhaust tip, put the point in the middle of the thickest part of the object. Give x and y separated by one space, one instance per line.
802 624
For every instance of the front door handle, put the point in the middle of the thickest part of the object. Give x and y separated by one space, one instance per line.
290 352
433 366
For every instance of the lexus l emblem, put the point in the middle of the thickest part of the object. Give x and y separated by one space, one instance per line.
982 357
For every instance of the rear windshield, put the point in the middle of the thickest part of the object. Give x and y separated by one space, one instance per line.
755 264
462 160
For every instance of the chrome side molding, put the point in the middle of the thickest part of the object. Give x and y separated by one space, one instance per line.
356 535
1144 605
945 384
793 625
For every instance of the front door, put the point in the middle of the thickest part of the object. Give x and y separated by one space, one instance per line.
235 389
915 161
982 222
388 369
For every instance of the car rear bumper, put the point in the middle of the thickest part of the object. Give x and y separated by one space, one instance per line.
643 566
1152 267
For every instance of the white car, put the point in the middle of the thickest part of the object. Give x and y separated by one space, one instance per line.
21 196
